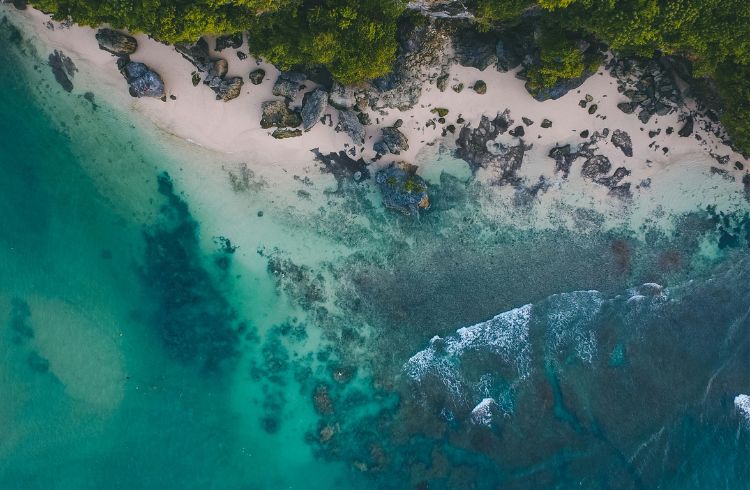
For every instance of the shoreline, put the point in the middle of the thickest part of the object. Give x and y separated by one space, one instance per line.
232 129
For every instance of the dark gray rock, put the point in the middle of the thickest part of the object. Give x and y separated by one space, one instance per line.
622 140
394 141
115 42
257 76
63 69
314 106
546 123
595 167
276 113
228 88
288 84
517 132
564 159
474 49
442 82
626 107
403 190
687 128
559 89
142 81
527 121
349 124
471 144
342 97
233 41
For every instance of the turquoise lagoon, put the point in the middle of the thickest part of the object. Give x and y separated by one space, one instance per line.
170 318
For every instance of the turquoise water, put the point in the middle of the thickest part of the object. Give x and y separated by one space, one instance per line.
167 324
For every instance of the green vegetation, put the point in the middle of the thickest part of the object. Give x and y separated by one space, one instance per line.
560 59
734 87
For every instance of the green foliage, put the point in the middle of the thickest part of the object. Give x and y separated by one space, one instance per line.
489 13
354 39
560 60
734 86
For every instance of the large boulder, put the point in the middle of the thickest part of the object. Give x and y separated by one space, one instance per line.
403 190
394 141
142 81
229 41
228 89
342 97
276 113
349 124
288 84
116 42
313 107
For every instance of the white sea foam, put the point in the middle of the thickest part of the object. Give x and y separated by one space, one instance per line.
570 324
742 404
505 335
483 412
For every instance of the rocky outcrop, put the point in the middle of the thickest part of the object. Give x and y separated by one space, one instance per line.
349 124
314 106
471 145
621 140
342 166
115 42
276 113
214 69
394 141
257 76
651 87
233 41
342 97
288 84
474 49
142 81
403 190
63 69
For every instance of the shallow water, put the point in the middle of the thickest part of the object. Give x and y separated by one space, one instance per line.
175 318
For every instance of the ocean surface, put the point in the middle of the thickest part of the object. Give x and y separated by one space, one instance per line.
171 318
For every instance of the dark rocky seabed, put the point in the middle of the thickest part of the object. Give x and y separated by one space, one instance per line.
146 343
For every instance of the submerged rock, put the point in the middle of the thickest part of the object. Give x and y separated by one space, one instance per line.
276 113
314 106
143 81
403 190
63 69
115 42
394 141
349 124
621 140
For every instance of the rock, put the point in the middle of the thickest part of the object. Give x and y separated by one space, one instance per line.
364 118
546 123
116 42
197 54
645 115
595 167
276 113
284 133
19 4
314 106
626 107
442 82
403 190
559 89
228 89
582 103
687 128
257 76
593 108
474 49
288 84
241 55
584 134
218 69
509 51
563 159
63 69
517 132
233 41
342 97
527 121
349 124
398 123
472 144
394 141
143 81
621 140
480 87
458 87
342 166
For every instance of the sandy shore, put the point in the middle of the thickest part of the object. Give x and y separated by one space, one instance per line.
233 128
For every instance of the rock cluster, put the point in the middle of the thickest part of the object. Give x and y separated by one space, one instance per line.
142 81
276 113
403 190
650 86
63 69
214 70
